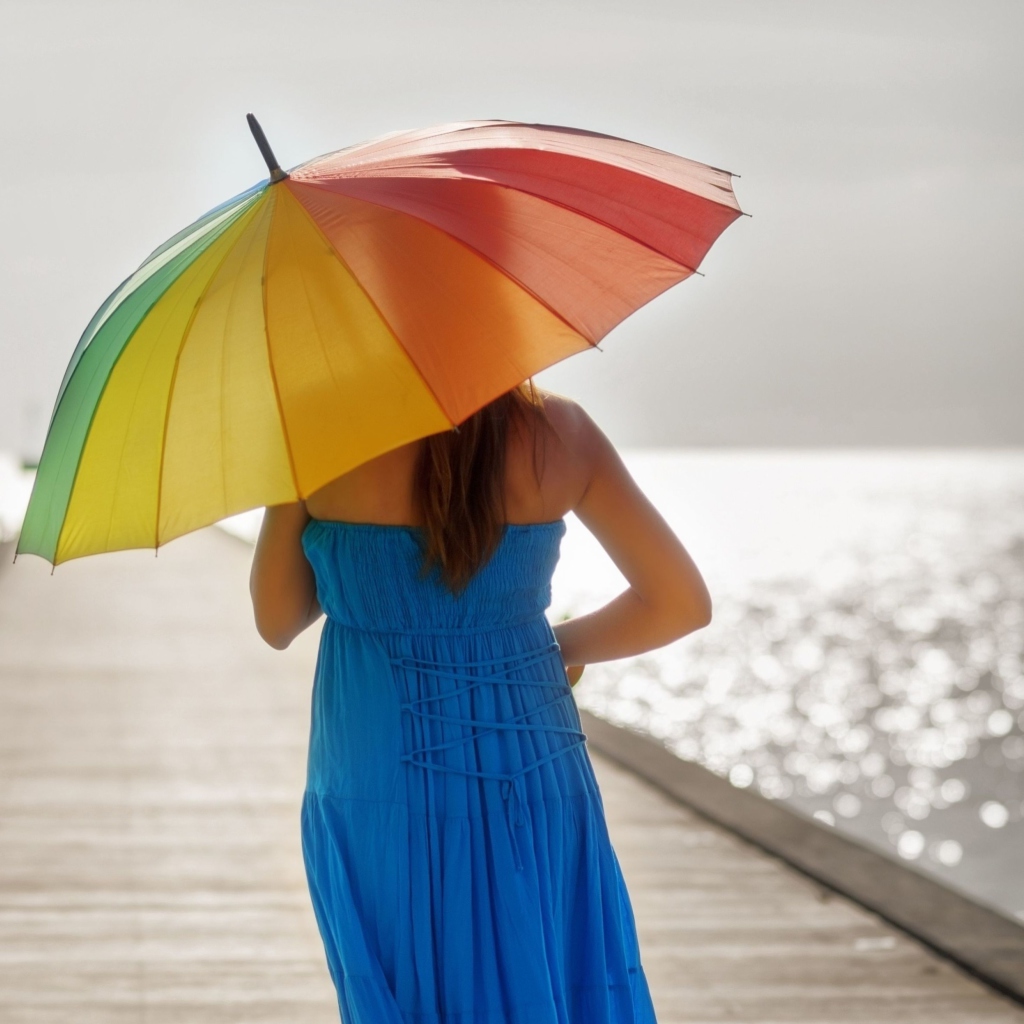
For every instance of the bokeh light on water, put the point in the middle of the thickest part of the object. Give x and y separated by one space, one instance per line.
866 659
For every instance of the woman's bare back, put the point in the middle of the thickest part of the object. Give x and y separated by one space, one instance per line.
546 474
565 464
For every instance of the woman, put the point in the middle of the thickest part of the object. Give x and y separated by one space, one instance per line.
453 832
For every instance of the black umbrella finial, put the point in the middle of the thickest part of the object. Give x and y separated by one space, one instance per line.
276 174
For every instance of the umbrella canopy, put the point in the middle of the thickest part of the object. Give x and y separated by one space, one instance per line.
365 299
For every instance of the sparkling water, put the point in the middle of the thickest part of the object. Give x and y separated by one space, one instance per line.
865 662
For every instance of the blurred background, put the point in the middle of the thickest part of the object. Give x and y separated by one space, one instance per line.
830 418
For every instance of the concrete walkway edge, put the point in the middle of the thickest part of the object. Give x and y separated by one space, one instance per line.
979 940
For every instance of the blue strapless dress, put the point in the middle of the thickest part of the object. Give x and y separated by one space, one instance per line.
452 828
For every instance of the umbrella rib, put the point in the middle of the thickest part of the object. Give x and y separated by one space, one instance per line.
382 156
476 252
597 220
124 441
224 226
173 385
554 202
202 240
222 368
103 390
369 298
270 361
212 224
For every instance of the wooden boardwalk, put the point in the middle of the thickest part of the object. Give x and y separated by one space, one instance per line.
151 766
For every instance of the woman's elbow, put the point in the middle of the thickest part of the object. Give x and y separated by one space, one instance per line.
692 613
274 634
279 641
701 615
275 625
279 618
280 625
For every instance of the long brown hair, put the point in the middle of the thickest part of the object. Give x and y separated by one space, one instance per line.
459 485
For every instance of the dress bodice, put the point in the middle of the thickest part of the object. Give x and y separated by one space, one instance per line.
368 576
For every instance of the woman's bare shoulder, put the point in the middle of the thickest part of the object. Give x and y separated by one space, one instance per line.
549 463
572 425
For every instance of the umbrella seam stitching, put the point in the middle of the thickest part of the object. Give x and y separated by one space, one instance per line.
270 358
480 255
194 234
174 374
369 298
400 137
544 199
103 390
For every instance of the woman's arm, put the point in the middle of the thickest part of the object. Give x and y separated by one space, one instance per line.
666 598
281 583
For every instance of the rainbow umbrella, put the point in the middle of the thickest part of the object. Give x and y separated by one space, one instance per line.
365 299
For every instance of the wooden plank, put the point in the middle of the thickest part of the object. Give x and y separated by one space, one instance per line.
152 754
152 757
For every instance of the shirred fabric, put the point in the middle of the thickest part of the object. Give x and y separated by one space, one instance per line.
453 832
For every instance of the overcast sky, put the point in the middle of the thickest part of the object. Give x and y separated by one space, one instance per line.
875 296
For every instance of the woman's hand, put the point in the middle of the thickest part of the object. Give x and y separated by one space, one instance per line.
282 584
574 672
